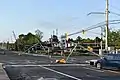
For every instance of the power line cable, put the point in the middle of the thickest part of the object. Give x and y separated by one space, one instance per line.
115 7
115 13
94 32
101 24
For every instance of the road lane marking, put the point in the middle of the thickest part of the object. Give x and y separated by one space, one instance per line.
43 66
64 65
101 70
113 71
42 78
58 72
48 65
94 76
92 69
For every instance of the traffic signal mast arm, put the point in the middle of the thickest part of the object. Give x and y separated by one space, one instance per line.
101 24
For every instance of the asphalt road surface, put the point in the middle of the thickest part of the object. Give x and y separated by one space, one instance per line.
42 68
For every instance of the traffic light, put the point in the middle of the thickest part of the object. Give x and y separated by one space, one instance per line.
83 31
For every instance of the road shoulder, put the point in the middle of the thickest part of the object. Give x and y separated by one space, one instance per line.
3 75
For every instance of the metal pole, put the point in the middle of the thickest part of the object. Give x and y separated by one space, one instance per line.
56 32
53 32
107 24
71 52
101 40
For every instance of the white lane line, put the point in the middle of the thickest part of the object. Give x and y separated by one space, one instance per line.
92 69
53 65
101 70
43 66
113 71
95 76
58 72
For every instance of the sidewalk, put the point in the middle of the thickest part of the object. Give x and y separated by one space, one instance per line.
3 75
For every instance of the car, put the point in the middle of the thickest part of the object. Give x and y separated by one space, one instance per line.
92 62
108 61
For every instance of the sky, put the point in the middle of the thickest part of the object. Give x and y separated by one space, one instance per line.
23 16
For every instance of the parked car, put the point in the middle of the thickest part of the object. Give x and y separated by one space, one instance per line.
92 62
108 60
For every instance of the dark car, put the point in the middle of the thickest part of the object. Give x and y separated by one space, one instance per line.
109 60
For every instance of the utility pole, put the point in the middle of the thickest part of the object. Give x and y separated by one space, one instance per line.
101 43
16 45
56 32
107 24
53 32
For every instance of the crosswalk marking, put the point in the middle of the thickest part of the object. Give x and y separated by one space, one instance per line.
61 73
52 65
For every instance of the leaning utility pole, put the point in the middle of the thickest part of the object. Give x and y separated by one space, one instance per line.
16 45
107 24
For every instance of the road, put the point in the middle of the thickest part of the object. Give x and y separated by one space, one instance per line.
40 68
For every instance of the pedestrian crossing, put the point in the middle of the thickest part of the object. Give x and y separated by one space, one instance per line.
50 65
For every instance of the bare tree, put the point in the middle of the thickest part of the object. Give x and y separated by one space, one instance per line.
39 34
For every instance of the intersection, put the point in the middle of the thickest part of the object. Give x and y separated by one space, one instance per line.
26 67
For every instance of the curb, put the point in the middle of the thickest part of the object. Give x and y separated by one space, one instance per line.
3 75
29 54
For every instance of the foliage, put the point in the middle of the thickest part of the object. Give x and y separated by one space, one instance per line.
88 40
78 39
97 40
70 40
28 39
39 34
55 38
114 38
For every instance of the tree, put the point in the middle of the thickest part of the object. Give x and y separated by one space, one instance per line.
78 39
97 40
114 38
88 40
55 38
39 34
21 41
70 40
21 36
28 39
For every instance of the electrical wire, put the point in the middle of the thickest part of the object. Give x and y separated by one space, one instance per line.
115 7
115 13
101 24
94 33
